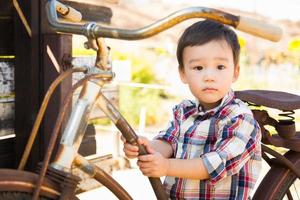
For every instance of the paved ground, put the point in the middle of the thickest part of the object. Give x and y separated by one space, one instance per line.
135 183
132 180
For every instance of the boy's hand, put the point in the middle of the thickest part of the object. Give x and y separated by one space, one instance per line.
132 151
153 165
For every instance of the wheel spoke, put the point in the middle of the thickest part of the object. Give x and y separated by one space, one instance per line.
289 195
293 192
295 188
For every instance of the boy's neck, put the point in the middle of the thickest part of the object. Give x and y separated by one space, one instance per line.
211 106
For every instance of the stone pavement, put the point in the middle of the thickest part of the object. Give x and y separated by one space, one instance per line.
136 184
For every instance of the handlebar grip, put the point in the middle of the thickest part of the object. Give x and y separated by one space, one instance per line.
259 28
68 12
131 137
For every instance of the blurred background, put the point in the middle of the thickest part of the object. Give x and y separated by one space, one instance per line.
147 84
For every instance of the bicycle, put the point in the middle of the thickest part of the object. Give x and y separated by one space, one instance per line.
55 180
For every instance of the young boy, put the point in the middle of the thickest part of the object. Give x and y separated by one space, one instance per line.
211 148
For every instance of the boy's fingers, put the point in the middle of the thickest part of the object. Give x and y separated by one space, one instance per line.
140 141
145 158
143 141
150 150
143 165
130 154
130 147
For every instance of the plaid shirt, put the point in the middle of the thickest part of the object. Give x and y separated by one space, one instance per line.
227 138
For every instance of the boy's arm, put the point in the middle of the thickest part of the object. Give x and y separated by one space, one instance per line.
164 148
156 165
191 169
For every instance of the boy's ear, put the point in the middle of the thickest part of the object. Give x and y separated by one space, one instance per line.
182 74
236 72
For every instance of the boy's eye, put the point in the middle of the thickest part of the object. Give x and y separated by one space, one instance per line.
198 67
221 67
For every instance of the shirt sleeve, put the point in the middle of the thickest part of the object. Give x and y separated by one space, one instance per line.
240 139
171 133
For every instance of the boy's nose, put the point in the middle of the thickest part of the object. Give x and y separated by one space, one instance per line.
209 75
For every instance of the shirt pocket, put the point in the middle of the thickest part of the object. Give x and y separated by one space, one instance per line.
201 133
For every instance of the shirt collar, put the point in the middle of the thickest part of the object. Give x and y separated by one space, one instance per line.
226 99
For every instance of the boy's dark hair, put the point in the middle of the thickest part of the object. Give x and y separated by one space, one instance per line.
205 31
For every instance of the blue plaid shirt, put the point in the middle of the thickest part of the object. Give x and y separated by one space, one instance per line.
226 138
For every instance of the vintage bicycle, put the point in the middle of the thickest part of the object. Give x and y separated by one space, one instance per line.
54 179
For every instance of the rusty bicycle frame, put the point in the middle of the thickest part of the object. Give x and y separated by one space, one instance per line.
55 179
286 137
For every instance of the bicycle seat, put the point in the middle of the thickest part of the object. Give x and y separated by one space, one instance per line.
272 99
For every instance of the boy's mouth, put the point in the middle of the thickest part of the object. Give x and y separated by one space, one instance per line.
209 89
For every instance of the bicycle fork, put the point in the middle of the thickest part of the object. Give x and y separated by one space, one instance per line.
75 129
76 126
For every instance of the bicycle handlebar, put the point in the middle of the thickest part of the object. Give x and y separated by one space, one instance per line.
68 12
94 30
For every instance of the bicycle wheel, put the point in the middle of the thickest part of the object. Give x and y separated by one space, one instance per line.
280 182
9 195
19 185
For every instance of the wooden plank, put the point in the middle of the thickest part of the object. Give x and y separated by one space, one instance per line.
6 8
6 37
7 153
7 160
27 79
7 145
6 23
59 46
35 72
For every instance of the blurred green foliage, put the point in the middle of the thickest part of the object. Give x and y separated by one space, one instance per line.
133 99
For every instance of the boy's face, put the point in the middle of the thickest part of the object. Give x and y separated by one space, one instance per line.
209 71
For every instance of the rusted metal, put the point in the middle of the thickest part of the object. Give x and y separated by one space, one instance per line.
272 99
101 176
77 123
24 181
287 136
55 135
292 142
273 182
282 160
102 60
93 30
277 141
286 129
66 180
57 127
163 24
40 115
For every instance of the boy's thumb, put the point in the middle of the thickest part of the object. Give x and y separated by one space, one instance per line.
149 149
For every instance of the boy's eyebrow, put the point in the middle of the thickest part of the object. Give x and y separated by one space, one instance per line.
201 59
